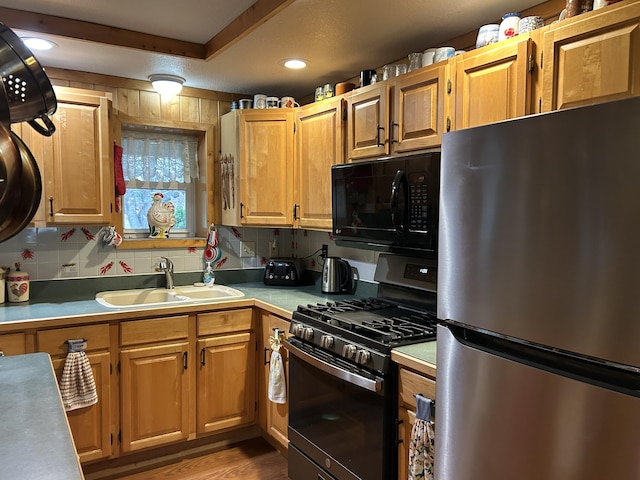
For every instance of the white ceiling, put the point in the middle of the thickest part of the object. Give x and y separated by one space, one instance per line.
337 37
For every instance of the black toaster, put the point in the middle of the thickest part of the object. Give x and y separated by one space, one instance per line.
282 271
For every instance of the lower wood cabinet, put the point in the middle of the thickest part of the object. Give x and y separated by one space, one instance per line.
226 372
13 344
410 383
273 417
91 426
154 382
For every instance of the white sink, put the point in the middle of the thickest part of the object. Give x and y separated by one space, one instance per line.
162 296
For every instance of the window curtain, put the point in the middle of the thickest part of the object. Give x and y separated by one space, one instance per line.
153 158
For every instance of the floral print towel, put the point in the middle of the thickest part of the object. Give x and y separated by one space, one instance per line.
421 446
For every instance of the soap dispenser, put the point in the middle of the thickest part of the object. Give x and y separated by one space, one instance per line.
208 277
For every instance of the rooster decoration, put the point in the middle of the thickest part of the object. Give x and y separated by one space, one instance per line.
161 217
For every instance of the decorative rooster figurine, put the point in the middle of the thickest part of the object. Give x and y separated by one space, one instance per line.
161 217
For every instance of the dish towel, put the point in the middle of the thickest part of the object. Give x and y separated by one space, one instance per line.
118 175
421 446
277 387
77 386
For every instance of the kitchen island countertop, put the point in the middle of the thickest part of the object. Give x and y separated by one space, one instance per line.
36 438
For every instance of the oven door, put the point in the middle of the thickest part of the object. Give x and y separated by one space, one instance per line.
340 418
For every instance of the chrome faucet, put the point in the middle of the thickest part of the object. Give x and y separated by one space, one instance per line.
166 266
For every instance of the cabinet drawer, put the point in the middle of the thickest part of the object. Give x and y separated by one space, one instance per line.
13 344
154 330
52 341
223 322
411 383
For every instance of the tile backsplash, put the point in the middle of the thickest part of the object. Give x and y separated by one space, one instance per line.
79 252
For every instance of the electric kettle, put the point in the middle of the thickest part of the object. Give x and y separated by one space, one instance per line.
336 276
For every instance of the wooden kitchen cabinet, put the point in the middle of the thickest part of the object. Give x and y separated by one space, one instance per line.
155 386
76 162
401 115
260 144
320 129
410 383
91 426
226 377
492 83
13 344
273 417
368 121
592 58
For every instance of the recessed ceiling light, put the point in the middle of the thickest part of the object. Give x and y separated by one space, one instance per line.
35 43
295 63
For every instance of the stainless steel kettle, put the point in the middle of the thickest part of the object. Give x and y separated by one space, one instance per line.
336 276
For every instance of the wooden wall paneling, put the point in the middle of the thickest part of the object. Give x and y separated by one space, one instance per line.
170 109
150 105
208 110
189 109
129 101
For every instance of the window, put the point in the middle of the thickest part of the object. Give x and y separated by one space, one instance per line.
157 162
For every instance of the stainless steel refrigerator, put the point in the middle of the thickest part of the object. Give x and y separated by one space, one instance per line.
539 290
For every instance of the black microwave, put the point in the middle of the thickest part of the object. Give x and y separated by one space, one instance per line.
388 204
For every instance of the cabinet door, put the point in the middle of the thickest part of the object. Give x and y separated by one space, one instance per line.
319 145
592 58
78 170
91 426
13 344
154 395
419 109
274 417
226 382
493 84
368 121
266 167
406 419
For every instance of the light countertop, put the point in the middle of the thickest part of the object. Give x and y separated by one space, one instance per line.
279 300
36 442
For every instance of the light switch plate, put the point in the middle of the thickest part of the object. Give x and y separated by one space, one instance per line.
247 249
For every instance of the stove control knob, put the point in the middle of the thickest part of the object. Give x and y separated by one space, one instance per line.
363 357
307 333
296 330
327 341
349 352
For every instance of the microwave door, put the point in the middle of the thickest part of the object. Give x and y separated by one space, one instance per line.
399 204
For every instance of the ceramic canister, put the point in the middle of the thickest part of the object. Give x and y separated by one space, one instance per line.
17 286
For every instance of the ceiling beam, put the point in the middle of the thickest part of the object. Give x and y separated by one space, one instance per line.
244 24
94 32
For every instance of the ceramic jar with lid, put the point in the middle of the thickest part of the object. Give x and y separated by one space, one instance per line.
509 26
17 285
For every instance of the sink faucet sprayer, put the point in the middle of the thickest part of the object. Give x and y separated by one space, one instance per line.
166 266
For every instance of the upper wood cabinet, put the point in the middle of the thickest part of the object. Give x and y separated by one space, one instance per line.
368 121
260 143
76 162
492 83
592 58
319 145
419 109
401 115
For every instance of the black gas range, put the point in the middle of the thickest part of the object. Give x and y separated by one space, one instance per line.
343 385
363 330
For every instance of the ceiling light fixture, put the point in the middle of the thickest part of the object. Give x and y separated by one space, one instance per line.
166 85
295 63
35 43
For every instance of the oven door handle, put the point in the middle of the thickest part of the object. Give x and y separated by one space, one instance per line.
349 377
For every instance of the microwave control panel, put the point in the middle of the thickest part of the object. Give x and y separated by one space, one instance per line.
418 202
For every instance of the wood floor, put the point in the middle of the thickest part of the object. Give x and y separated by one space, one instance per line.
252 459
